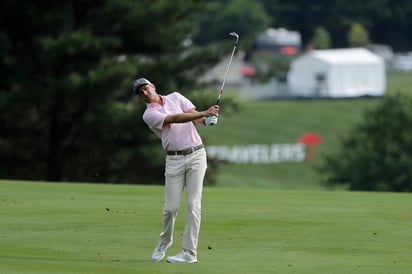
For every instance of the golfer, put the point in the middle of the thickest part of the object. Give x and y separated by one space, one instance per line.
172 119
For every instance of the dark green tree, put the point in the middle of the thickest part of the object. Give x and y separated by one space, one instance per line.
246 17
386 20
377 155
65 90
358 36
321 39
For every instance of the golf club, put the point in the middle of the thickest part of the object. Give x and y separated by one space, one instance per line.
234 34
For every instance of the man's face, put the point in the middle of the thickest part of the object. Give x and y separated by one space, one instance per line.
147 93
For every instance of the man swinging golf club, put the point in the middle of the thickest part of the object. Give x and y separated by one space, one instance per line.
171 118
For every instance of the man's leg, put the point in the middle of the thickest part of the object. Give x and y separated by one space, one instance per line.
174 184
194 184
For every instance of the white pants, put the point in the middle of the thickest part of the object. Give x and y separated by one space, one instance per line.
184 171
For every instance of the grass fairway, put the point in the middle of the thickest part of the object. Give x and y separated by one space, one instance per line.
85 228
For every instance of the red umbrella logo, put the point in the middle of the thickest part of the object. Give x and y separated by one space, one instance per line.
310 140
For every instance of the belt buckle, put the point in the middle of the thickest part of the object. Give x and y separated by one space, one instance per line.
188 151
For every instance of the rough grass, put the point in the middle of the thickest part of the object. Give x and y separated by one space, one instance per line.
85 228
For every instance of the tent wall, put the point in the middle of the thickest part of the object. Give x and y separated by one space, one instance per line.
354 81
302 78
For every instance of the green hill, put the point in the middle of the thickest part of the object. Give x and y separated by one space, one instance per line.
283 121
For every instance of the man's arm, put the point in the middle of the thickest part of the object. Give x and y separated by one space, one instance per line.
191 116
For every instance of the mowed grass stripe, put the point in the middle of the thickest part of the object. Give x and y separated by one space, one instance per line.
87 228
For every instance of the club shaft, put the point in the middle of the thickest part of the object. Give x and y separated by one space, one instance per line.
226 73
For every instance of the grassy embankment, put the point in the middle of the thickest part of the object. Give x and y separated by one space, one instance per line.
283 121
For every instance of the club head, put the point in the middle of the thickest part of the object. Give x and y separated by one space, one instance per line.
234 34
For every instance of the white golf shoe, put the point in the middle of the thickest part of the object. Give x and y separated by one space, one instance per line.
160 251
183 257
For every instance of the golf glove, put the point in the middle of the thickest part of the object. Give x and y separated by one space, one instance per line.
211 121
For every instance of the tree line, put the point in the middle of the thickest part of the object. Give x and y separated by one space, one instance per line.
67 111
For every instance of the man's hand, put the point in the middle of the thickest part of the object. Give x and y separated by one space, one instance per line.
213 110
211 120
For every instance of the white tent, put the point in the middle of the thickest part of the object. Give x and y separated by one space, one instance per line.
337 73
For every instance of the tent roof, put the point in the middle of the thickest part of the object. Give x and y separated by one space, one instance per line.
346 56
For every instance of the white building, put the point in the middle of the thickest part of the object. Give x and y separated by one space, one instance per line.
337 73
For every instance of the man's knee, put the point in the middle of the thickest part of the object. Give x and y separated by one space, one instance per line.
193 206
170 210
